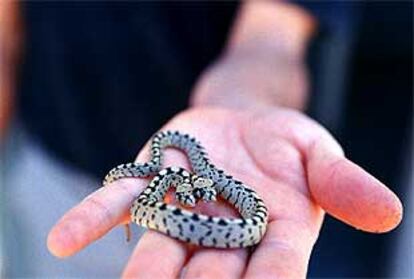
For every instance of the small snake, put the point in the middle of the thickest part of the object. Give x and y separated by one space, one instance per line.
149 209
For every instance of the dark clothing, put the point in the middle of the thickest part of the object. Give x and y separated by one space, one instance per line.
99 79
374 130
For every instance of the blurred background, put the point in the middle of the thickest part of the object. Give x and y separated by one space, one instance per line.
73 65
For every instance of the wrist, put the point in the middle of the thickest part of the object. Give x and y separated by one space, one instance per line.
271 27
241 81
263 63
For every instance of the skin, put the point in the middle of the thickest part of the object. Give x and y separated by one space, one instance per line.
10 51
291 161
245 109
246 112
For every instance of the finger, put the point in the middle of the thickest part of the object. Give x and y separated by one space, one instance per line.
93 217
156 256
342 188
99 212
351 194
284 251
216 263
213 263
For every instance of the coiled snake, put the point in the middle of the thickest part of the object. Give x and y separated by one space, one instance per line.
150 211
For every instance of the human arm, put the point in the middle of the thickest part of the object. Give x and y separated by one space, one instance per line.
263 62
245 113
10 51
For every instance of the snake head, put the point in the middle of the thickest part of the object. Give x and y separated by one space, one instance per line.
184 194
204 188
201 182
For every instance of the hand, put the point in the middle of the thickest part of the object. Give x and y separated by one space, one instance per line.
292 162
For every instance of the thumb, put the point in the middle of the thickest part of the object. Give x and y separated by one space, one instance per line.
348 192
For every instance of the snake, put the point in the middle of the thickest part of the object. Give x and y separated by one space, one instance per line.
204 183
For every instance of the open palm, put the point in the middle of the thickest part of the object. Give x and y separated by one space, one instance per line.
291 161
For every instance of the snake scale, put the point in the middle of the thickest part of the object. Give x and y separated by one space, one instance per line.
149 209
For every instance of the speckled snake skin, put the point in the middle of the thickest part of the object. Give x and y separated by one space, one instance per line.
149 209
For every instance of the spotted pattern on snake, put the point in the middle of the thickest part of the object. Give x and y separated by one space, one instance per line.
149 209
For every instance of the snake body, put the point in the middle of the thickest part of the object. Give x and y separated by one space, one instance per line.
150 211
